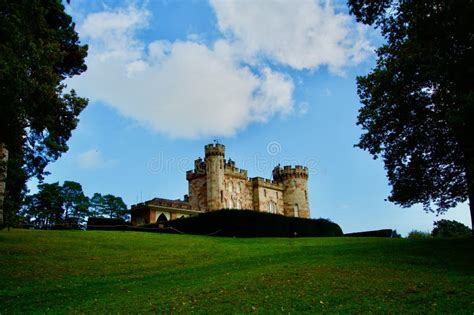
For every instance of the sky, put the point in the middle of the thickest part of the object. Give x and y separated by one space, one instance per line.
275 81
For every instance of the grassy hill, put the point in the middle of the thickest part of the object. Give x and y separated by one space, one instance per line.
77 271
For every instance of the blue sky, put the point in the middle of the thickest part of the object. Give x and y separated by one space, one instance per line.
273 81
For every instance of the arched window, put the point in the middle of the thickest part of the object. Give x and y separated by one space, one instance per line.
231 203
162 218
238 204
296 210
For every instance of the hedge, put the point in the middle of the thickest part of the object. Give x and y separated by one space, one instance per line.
375 233
239 223
248 223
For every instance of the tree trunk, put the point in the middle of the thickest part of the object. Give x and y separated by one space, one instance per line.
3 177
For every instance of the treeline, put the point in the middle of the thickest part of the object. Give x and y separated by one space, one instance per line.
66 205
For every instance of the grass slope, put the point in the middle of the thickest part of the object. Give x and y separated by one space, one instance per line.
99 271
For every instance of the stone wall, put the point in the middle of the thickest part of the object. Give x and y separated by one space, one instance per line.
296 197
237 193
295 189
198 192
267 195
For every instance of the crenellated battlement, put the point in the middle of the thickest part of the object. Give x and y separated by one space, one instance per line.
199 169
214 149
231 170
265 182
280 173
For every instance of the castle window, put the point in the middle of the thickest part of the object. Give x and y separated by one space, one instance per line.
264 192
221 164
222 196
272 207
296 210
306 194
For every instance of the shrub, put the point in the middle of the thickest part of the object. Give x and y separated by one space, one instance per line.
415 234
248 223
450 228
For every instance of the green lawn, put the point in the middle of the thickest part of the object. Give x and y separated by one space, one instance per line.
130 272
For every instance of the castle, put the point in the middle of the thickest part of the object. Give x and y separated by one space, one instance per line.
215 183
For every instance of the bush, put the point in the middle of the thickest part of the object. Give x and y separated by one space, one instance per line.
418 235
376 233
450 228
248 223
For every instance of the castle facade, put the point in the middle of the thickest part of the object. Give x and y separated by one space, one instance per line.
215 183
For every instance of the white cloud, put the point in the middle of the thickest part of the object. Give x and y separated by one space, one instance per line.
189 89
184 88
303 34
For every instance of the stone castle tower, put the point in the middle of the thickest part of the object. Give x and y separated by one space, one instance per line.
295 189
214 160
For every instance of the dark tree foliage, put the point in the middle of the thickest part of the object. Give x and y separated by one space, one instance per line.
96 205
67 206
39 48
45 208
76 204
418 101
450 228
114 207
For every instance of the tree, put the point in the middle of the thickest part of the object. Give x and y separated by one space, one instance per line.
114 207
46 206
450 228
96 205
39 49
76 204
108 206
418 101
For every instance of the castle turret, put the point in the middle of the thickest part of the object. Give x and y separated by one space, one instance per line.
295 189
215 175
